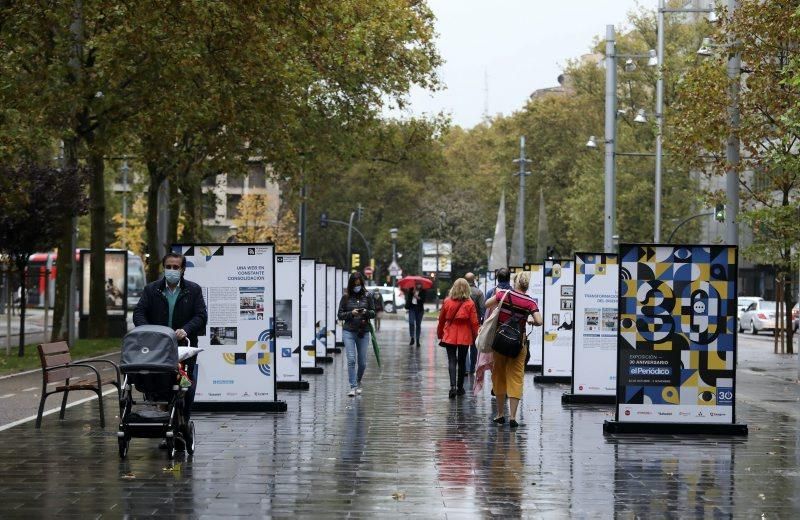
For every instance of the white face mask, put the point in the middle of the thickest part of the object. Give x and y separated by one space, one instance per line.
357 289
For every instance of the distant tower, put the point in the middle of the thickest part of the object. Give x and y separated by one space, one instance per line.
485 95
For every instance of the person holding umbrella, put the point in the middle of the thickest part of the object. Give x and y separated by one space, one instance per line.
415 300
356 308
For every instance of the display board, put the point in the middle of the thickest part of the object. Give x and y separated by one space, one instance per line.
287 317
558 320
115 289
238 283
321 325
594 338
535 291
676 354
307 313
332 307
339 291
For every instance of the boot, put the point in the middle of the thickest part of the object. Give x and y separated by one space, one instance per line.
452 393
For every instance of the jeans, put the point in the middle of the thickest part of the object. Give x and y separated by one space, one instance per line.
472 359
456 359
415 322
354 345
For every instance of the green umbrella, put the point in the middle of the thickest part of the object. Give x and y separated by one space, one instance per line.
375 346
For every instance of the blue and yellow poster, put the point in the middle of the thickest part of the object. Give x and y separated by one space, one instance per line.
677 341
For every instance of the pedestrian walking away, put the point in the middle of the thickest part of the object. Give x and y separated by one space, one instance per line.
508 373
177 303
415 300
480 307
356 308
377 301
457 329
503 279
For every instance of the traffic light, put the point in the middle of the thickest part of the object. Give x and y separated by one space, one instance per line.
355 260
323 220
359 212
719 213
551 251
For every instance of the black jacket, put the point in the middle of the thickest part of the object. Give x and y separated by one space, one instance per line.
346 306
190 309
420 300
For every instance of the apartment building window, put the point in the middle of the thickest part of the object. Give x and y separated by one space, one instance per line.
235 181
763 179
257 178
232 206
210 182
209 205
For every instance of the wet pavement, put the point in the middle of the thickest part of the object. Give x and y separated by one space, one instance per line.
404 449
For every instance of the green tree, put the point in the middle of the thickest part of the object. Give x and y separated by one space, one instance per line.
769 43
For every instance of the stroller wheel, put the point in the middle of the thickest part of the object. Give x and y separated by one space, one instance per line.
188 438
170 448
123 446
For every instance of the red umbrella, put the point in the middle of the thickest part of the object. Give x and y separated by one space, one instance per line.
409 282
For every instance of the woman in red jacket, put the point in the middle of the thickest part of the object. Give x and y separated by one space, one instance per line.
457 330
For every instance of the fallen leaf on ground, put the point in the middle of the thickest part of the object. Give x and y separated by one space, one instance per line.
399 495
128 476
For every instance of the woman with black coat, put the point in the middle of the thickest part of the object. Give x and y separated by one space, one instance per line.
356 308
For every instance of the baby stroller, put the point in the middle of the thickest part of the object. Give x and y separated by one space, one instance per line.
149 364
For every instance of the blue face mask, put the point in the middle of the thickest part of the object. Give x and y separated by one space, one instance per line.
357 289
172 276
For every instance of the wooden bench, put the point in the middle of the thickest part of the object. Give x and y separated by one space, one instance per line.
57 367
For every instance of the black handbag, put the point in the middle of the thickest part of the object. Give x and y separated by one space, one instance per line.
508 338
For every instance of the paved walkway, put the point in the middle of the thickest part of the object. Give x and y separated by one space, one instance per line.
404 448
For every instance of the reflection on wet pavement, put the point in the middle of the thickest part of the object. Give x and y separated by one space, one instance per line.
403 448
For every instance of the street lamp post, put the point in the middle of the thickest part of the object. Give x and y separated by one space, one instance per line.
523 162
732 149
393 234
125 170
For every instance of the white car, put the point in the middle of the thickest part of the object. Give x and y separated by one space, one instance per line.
759 315
389 305
743 302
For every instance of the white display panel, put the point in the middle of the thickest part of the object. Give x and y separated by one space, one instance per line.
321 325
238 286
332 306
558 318
339 290
287 316
307 312
535 291
596 322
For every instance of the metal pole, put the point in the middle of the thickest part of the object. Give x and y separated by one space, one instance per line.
46 300
394 278
349 236
521 209
732 148
72 301
659 123
610 141
302 219
9 307
125 201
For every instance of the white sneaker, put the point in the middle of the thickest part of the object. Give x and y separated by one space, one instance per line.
352 392
359 390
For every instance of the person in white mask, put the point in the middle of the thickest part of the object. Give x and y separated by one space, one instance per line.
356 308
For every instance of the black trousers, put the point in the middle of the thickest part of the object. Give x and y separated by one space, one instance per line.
456 364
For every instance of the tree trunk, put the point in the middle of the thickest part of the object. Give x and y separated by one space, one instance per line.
61 313
193 223
151 224
98 314
174 214
22 304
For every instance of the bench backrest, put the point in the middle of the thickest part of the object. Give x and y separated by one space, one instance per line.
55 354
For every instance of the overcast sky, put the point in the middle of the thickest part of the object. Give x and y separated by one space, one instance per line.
522 45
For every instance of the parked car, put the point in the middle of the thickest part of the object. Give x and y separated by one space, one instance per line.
743 302
759 315
389 305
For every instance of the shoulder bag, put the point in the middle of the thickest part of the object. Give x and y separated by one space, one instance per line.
487 332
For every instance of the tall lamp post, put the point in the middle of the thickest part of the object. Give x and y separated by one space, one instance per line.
393 267
610 206
732 151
